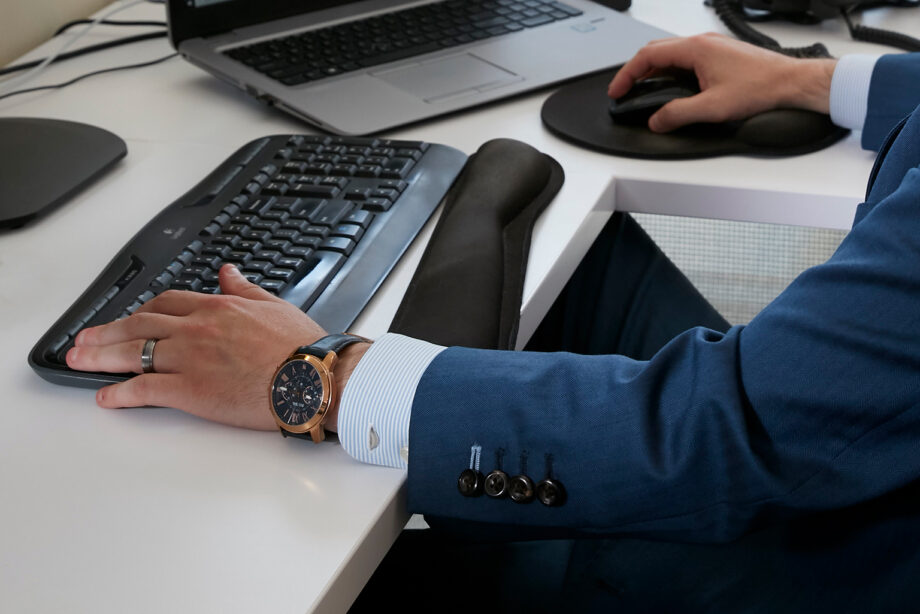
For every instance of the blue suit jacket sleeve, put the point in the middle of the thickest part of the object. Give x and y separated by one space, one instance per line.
814 405
893 94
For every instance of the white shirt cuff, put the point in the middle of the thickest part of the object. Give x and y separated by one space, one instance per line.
374 413
850 90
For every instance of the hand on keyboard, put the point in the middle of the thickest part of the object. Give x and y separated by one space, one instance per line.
317 221
215 354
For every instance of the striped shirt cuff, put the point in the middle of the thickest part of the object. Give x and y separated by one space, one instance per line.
850 90
374 414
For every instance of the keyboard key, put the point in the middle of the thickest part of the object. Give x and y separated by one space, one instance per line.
186 282
286 233
310 241
276 215
357 193
349 231
298 250
258 205
332 212
258 235
209 261
291 263
338 244
316 231
280 273
239 257
268 255
392 184
345 170
367 170
269 225
385 193
277 245
377 205
249 245
226 239
209 231
536 21
272 285
276 189
217 250
257 266
361 217
318 191
397 168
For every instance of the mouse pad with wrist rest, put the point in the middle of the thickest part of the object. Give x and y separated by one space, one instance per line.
578 113
468 287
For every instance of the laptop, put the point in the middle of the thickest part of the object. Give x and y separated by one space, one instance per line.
360 67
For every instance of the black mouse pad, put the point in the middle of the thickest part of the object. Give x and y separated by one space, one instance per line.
43 162
578 113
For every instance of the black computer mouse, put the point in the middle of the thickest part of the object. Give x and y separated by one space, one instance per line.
647 96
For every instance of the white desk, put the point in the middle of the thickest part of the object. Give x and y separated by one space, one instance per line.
152 510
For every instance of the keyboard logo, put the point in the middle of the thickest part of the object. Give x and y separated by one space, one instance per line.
174 233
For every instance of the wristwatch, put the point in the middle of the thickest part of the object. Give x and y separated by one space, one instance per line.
303 388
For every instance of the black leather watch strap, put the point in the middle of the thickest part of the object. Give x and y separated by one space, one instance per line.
330 343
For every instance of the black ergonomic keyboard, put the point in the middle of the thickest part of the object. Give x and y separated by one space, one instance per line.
326 52
319 221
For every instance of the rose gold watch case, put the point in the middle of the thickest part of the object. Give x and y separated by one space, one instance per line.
314 425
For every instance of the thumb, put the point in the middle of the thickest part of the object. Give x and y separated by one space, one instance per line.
233 283
684 111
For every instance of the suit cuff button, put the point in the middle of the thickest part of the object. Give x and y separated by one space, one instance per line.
496 484
521 489
470 483
551 493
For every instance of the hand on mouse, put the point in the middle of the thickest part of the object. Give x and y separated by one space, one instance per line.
215 355
737 80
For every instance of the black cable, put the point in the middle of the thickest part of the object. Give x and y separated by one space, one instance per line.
732 15
84 50
880 36
81 77
107 22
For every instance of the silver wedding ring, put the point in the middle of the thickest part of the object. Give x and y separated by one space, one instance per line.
147 356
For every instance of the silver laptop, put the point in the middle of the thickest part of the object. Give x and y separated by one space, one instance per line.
361 67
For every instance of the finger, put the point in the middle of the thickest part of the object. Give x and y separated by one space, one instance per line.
123 357
175 303
684 111
154 389
137 326
233 283
670 53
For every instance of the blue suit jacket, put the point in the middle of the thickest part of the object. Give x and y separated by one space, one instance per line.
815 405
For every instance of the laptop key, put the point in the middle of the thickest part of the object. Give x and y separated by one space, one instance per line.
399 54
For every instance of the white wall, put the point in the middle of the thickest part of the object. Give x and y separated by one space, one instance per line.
26 23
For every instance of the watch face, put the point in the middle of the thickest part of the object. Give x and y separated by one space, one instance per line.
297 392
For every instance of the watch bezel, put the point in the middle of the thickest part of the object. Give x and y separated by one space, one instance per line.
325 377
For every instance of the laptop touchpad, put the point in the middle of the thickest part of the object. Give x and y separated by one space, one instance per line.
447 78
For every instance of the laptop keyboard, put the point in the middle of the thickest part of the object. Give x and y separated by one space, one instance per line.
319 221
356 45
